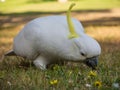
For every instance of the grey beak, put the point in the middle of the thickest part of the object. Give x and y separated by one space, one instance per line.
92 62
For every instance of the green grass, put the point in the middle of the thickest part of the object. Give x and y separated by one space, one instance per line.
19 74
20 6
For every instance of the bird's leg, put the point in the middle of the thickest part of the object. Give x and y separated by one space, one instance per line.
41 62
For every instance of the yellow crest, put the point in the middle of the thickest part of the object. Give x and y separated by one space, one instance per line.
73 34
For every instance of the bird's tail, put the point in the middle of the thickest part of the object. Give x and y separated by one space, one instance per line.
10 53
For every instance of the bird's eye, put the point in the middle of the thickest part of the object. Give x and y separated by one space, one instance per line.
83 54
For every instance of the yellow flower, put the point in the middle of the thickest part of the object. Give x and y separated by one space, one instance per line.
92 74
98 84
54 82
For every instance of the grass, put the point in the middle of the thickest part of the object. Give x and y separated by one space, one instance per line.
20 6
19 74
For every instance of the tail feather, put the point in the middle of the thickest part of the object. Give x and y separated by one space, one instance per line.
10 53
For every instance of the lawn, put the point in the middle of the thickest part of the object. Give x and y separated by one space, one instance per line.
101 20
21 6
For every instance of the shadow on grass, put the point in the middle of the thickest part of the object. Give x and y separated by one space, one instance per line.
54 12
13 19
105 21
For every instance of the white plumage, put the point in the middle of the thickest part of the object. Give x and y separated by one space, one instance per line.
48 35
45 39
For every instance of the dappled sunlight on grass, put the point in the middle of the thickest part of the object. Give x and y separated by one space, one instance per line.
6 38
104 33
18 73
73 75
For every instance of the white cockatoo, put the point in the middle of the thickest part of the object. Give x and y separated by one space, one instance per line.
47 39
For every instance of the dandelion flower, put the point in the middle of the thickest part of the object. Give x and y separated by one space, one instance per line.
98 84
54 82
92 74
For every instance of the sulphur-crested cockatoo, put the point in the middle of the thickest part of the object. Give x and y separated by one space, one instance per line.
46 39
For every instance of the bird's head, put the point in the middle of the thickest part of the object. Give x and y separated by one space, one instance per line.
89 48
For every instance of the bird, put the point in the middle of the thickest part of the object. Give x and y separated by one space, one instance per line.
46 39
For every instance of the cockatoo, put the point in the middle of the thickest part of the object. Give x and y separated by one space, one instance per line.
47 39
